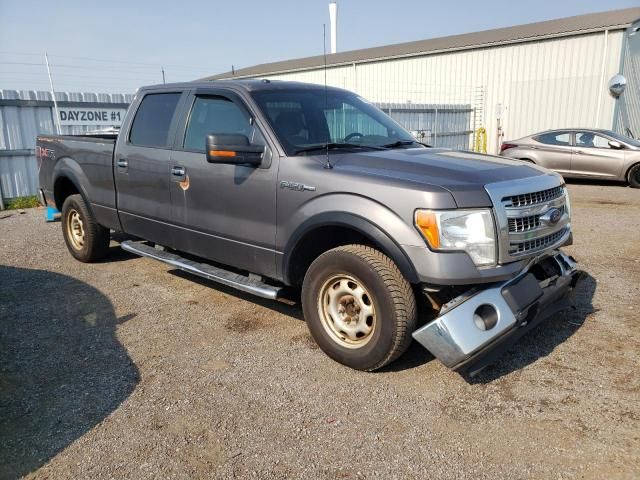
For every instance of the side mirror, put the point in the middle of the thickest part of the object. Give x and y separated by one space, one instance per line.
616 145
232 148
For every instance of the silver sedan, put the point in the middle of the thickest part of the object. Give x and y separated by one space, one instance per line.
580 153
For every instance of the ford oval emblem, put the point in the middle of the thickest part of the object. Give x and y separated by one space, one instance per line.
552 216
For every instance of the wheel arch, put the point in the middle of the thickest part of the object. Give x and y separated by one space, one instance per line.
628 171
333 229
67 178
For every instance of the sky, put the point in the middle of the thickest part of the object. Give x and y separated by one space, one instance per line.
116 46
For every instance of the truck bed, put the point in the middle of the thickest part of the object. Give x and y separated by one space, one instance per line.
87 160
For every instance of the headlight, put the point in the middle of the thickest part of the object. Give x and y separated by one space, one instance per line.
567 202
470 231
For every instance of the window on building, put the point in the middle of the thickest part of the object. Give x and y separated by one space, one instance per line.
152 121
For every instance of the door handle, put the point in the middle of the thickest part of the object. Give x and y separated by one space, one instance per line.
578 151
122 163
178 173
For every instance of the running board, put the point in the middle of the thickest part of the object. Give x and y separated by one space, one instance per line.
215 274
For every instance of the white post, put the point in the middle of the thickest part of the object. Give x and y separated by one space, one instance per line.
333 16
602 77
53 95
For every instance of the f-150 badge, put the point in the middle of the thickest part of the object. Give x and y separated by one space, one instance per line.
299 187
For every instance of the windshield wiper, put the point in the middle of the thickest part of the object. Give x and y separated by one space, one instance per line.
335 146
402 143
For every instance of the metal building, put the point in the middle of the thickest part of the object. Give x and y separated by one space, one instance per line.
508 82
26 114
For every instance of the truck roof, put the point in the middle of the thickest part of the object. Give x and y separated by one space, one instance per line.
249 85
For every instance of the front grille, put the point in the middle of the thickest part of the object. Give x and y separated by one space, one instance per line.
536 244
523 213
524 224
534 198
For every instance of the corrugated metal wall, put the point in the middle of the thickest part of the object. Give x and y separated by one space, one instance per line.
533 86
26 114
628 106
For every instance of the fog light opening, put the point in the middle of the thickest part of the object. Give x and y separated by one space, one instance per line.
485 317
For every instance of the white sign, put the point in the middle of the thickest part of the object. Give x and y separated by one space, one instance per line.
91 116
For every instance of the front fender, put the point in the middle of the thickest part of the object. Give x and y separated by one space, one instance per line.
365 216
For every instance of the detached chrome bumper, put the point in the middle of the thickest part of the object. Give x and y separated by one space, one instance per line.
476 327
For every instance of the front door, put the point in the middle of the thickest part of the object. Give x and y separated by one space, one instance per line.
142 168
593 157
223 212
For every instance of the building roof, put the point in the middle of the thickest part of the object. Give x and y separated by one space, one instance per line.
593 22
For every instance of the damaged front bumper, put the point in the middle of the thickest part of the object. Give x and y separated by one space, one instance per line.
472 330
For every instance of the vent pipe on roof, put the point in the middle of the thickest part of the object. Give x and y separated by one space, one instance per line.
333 16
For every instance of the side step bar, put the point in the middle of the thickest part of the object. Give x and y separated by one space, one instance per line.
225 277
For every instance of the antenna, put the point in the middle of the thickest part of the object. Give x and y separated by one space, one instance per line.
327 165
163 80
53 95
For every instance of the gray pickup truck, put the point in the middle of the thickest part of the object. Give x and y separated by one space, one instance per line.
268 186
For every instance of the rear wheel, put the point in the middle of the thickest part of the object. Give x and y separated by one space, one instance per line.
359 308
86 240
633 177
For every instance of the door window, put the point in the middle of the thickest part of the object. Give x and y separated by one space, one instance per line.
591 140
562 139
152 121
218 115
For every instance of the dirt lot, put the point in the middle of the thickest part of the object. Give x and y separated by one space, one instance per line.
126 369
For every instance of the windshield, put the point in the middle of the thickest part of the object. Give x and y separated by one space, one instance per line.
306 119
623 138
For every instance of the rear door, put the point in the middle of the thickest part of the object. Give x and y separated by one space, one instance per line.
142 167
555 151
593 157
223 212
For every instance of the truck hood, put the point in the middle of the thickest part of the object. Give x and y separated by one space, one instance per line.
463 174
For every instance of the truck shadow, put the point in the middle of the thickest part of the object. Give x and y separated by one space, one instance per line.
62 368
543 339
538 343
289 305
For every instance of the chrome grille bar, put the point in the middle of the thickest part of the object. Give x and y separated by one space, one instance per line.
537 244
525 224
534 198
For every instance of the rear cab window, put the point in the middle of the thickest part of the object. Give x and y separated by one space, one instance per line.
152 123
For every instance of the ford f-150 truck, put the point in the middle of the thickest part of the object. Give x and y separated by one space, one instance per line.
266 185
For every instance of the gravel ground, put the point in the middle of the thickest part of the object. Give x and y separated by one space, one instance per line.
127 369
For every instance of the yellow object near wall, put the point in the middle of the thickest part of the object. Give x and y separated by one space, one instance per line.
480 140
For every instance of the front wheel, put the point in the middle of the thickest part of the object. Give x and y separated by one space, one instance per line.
86 240
634 176
359 308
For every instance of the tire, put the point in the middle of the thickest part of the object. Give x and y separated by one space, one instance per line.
378 307
633 177
86 240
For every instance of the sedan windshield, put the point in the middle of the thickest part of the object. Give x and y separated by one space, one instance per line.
623 138
306 121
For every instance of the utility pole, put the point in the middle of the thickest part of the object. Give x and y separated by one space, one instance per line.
163 81
53 95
